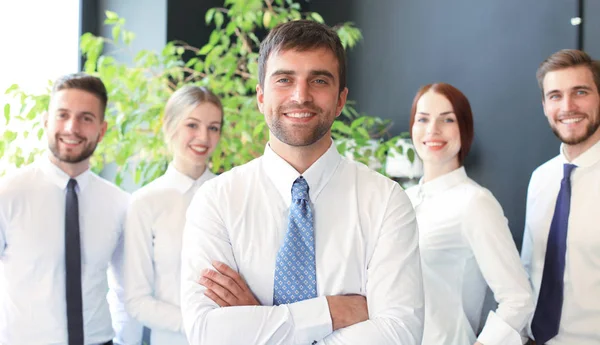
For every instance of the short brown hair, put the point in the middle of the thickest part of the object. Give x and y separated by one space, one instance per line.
302 35
568 58
85 82
461 108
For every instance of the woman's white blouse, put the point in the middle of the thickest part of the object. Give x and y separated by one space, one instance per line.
466 245
153 232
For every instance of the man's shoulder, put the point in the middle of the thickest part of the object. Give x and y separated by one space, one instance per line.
238 176
19 178
108 190
546 170
367 177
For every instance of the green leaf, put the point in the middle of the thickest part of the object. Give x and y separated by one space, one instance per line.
10 136
219 19
317 17
11 88
205 50
111 15
209 15
410 153
214 38
116 31
7 112
363 132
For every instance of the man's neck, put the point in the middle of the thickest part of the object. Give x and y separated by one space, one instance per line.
71 169
301 157
571 152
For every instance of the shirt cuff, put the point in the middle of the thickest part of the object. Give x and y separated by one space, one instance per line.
497 332
312 320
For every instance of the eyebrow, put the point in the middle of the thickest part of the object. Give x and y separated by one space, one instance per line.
196 120
577 87
80 113
318 72
441 114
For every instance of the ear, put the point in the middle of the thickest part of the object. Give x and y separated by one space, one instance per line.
260 97
102 130
341 101
45 119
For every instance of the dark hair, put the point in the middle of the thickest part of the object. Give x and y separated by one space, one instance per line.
302 35
461 108
564 59
84 82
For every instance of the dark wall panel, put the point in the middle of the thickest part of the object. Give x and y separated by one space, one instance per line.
490 50
591 28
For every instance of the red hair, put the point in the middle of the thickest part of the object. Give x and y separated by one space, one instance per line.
461 108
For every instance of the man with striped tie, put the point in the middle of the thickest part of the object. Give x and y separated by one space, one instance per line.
301 245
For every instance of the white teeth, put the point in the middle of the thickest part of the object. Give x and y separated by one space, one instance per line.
298 115
199 149
431 143
569 121
70 142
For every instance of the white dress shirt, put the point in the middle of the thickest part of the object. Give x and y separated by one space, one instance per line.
465 246
154 227
32 245
365 243
580 319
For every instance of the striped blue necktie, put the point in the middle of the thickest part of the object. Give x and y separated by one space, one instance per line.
295 271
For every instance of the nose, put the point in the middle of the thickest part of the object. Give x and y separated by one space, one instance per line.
71 126
432 127
302 93
202 134
568 103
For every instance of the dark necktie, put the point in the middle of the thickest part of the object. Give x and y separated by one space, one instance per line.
295 271
546 319
73 267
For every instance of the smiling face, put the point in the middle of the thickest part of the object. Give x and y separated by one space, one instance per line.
74 126
196 136
435 132
301 98
572 106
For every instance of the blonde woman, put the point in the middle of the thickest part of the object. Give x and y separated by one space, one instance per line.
156 217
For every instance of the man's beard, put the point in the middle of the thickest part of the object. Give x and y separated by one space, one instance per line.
285 133
87 152
591 128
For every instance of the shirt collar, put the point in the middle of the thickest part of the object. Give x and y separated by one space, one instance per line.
184 183
283 175
586 159
60 178
444 182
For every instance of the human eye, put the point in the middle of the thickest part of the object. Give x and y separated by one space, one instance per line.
192 125
214 129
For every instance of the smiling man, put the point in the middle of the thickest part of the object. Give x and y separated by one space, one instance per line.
61 231
561 244
301 246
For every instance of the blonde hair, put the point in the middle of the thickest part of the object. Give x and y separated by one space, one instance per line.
181 103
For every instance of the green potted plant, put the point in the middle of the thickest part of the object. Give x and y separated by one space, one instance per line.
227 64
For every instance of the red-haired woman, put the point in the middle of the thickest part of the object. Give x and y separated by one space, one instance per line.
464 238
